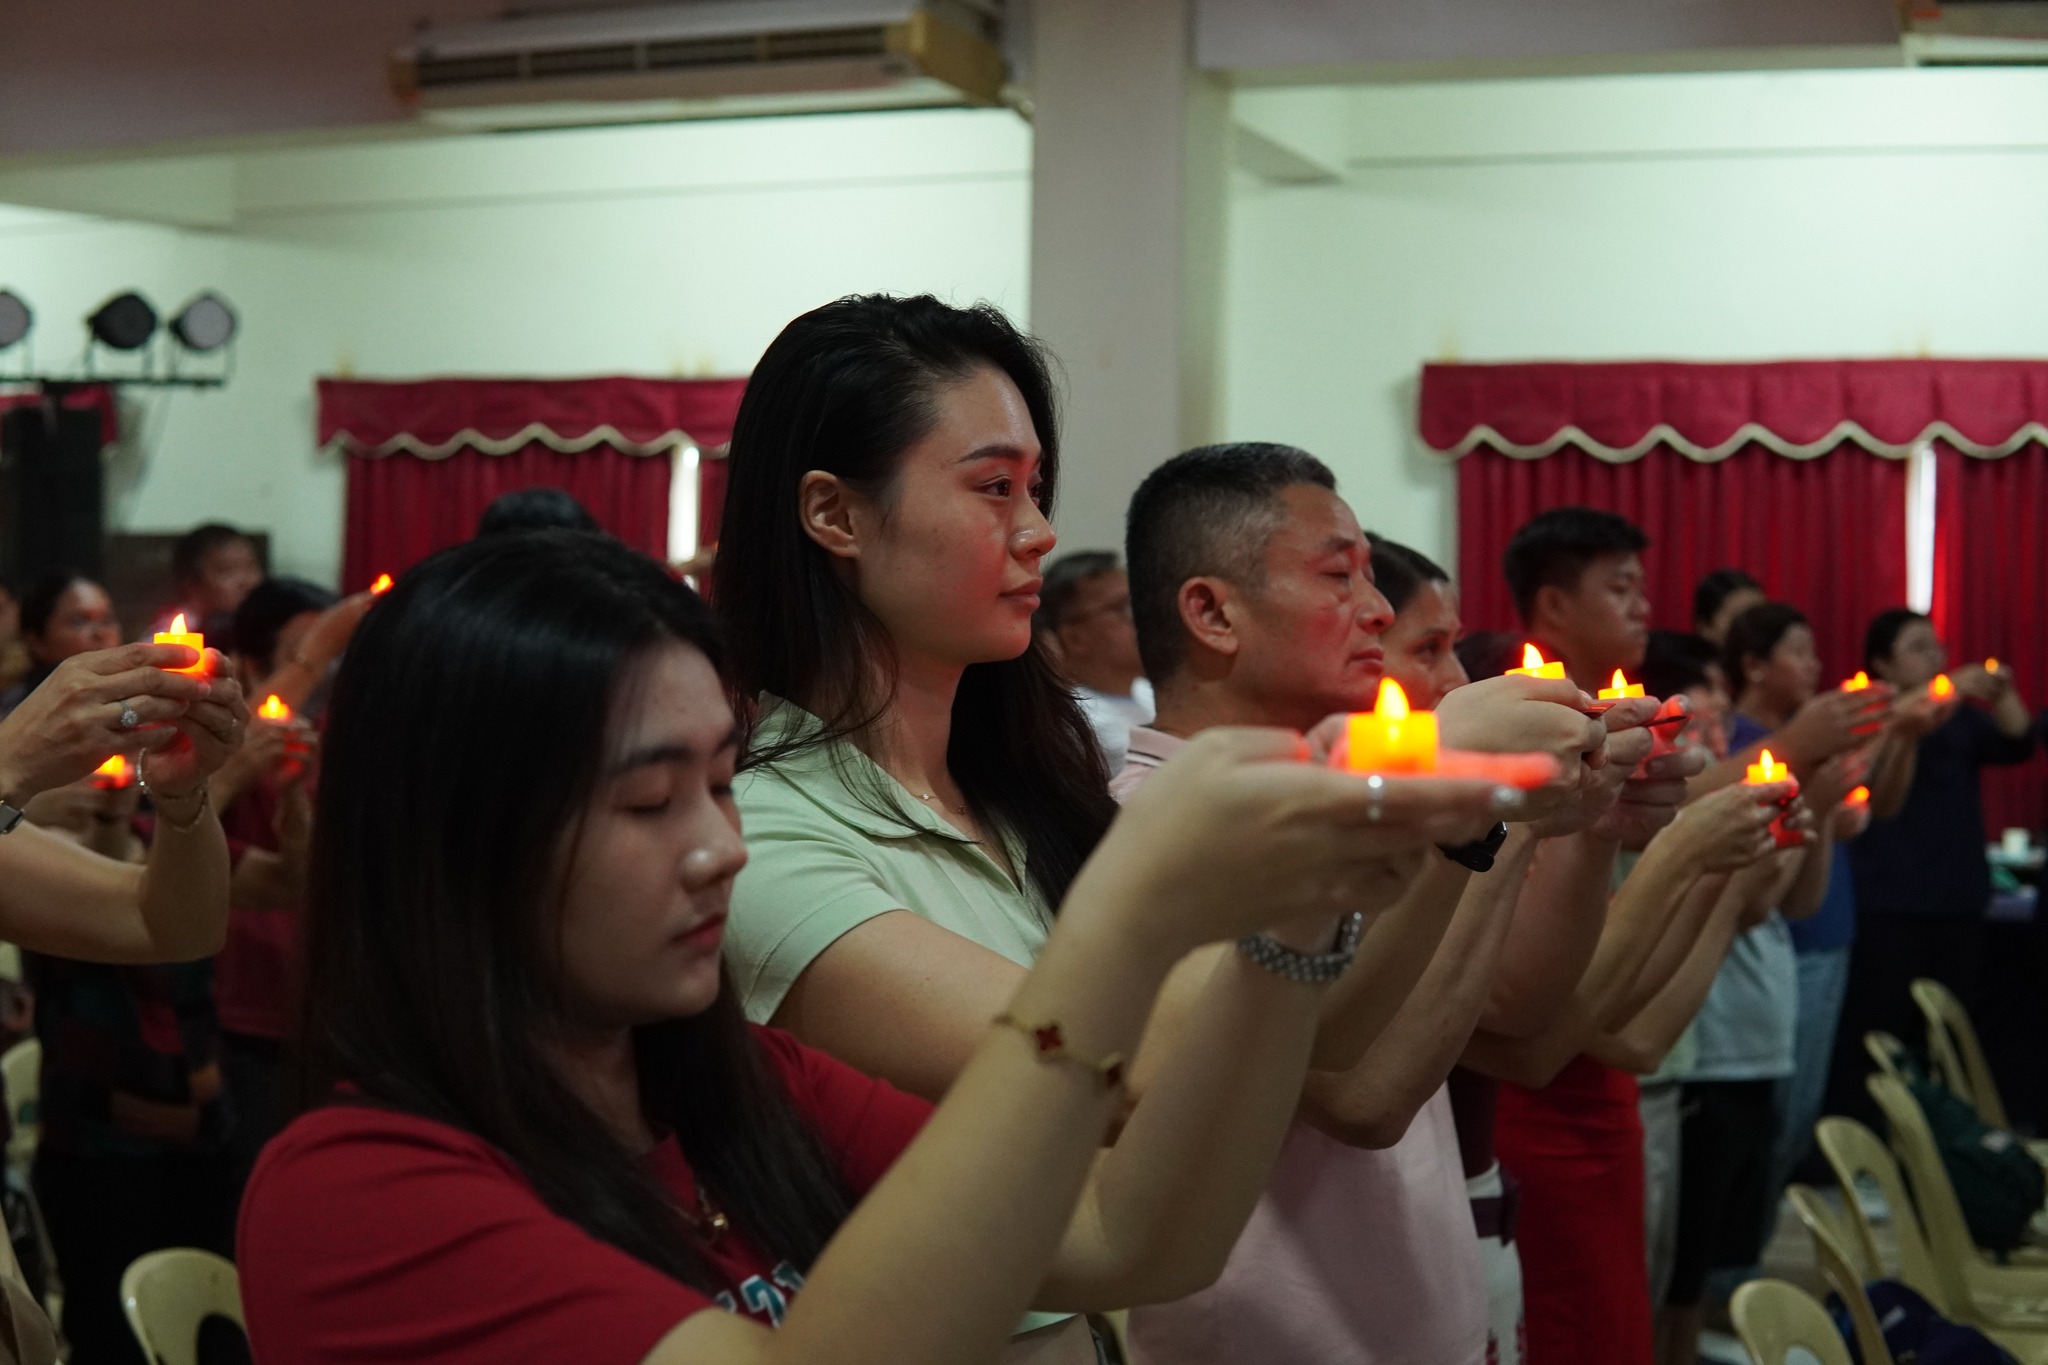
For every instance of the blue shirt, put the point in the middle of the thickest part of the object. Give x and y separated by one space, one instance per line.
1833 926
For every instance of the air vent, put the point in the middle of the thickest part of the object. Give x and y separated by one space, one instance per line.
704 58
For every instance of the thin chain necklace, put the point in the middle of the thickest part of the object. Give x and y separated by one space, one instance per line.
709 1221
961 811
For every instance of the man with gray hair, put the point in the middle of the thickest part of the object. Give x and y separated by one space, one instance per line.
1084 618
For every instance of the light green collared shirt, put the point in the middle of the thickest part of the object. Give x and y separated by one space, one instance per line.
825 854
821 859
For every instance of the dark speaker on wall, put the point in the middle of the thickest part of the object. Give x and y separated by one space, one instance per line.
50 491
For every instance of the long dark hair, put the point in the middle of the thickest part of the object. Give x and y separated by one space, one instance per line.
846 389
465 740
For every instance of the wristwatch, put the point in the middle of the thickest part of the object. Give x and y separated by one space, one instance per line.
1477 855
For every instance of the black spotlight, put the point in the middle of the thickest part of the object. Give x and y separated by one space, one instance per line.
15 318
125 322
204 324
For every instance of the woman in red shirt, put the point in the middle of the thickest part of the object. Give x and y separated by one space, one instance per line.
546 1131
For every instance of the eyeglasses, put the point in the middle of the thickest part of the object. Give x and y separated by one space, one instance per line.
1121 607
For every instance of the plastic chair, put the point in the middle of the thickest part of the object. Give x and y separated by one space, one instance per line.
1840 1268
1854 1152
21 1079
1958 1059
1980 1290
1772 1317
1884 1049
167 1294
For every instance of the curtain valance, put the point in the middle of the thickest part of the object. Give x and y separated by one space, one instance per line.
72 397
434 418
1801 408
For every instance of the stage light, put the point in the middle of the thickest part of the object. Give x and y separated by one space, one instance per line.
125 322
15 318
204 324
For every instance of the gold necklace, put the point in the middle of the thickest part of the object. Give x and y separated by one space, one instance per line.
709 1222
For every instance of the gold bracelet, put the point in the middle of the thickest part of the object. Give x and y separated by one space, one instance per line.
198 812
1051 1042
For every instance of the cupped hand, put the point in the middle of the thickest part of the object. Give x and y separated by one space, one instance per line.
207 737
1731 828
1830 723
1979 683
1829 785
72 722
1241 830
1517 715
1609 770
1627 740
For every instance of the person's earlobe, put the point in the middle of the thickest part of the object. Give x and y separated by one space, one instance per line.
825 510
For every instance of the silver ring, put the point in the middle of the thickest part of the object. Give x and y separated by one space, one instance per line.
1376 797
129 720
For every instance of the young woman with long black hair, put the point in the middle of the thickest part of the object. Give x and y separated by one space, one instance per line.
547 1132
922 787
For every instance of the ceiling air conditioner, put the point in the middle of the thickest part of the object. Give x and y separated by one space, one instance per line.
703 59
1975 32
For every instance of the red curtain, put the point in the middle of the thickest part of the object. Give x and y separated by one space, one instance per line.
426 457
73 397
1826 534
1990 578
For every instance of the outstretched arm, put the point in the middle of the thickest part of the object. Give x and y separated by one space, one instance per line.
1372 1102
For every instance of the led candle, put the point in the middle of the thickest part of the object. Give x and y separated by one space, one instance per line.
274 708
1991 665
1941 689
1534 666
1620 689
178 635
1860 797
1390 738
381 586
1766 769
1857 683
113 775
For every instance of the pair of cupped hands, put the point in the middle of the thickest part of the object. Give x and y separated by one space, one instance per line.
184 726
1249 830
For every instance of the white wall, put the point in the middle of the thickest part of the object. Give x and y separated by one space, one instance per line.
669 250
1723 217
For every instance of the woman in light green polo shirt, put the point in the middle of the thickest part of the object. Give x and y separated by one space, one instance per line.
921 788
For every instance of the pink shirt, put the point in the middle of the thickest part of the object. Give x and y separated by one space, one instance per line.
1352 1257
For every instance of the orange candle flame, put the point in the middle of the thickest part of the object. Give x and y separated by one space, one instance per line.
1860 797
1857 683
274 708
1991 665
112 775
179 635
1534 665
381 586
1766 769
1941 689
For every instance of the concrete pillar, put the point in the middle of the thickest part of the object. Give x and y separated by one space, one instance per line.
1127 208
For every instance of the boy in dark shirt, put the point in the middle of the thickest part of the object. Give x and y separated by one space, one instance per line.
1921 879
